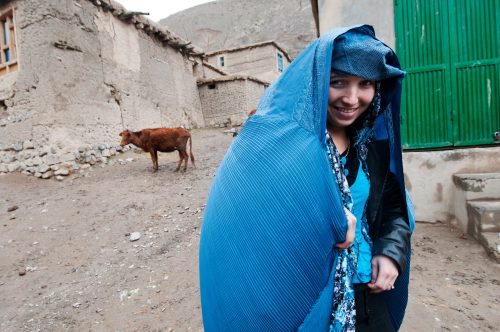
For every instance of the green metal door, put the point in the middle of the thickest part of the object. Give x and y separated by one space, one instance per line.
450 49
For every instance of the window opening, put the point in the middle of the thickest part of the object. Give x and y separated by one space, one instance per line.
280 62
5 30
8 54
221 61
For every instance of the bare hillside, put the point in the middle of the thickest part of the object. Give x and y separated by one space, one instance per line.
232 23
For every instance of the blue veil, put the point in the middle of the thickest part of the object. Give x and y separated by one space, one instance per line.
274 212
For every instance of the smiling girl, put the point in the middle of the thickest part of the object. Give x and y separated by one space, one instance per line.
306 227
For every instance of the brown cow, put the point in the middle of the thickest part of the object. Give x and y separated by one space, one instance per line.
153 140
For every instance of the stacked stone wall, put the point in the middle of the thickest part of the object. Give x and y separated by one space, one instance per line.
53 161
226 103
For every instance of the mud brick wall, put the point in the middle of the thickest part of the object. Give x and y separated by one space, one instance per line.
87 70
226 102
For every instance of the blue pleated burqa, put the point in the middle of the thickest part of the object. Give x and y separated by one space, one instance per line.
274 212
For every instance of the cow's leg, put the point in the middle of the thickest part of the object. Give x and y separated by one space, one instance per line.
186 158
181 156
154 158
191 151
183 149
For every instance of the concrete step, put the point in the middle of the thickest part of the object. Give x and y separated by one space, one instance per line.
491 242
484 215
478 185
484 224
472 187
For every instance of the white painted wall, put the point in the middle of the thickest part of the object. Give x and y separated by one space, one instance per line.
429 180
344 13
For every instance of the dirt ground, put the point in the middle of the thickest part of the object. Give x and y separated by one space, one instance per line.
67 262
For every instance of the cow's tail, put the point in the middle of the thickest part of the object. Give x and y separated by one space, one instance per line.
191 150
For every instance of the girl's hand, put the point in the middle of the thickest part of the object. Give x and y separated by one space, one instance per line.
351 230
384 274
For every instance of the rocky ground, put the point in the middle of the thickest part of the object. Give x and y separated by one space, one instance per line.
68 262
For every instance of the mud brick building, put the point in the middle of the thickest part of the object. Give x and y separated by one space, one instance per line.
265 61
73 74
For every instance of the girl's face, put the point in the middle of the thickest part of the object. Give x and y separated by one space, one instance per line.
348 98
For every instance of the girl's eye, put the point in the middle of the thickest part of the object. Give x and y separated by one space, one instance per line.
367 83
336 83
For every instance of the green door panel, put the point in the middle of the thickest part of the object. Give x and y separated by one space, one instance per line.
450 49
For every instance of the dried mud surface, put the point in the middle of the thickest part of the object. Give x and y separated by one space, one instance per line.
67 263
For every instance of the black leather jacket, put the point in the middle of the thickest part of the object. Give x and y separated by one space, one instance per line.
386 211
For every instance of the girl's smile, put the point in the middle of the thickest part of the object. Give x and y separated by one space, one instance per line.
348 98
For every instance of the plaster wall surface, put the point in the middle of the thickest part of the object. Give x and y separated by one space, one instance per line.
227 103
260 62
344 13
109 77
203 71
429 180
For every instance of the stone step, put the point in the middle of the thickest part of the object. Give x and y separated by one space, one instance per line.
484 215
484 224
491 242
478 185
472 187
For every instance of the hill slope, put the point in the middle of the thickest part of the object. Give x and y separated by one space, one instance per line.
232 23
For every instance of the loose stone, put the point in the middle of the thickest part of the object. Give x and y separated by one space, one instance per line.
135 236
12 208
